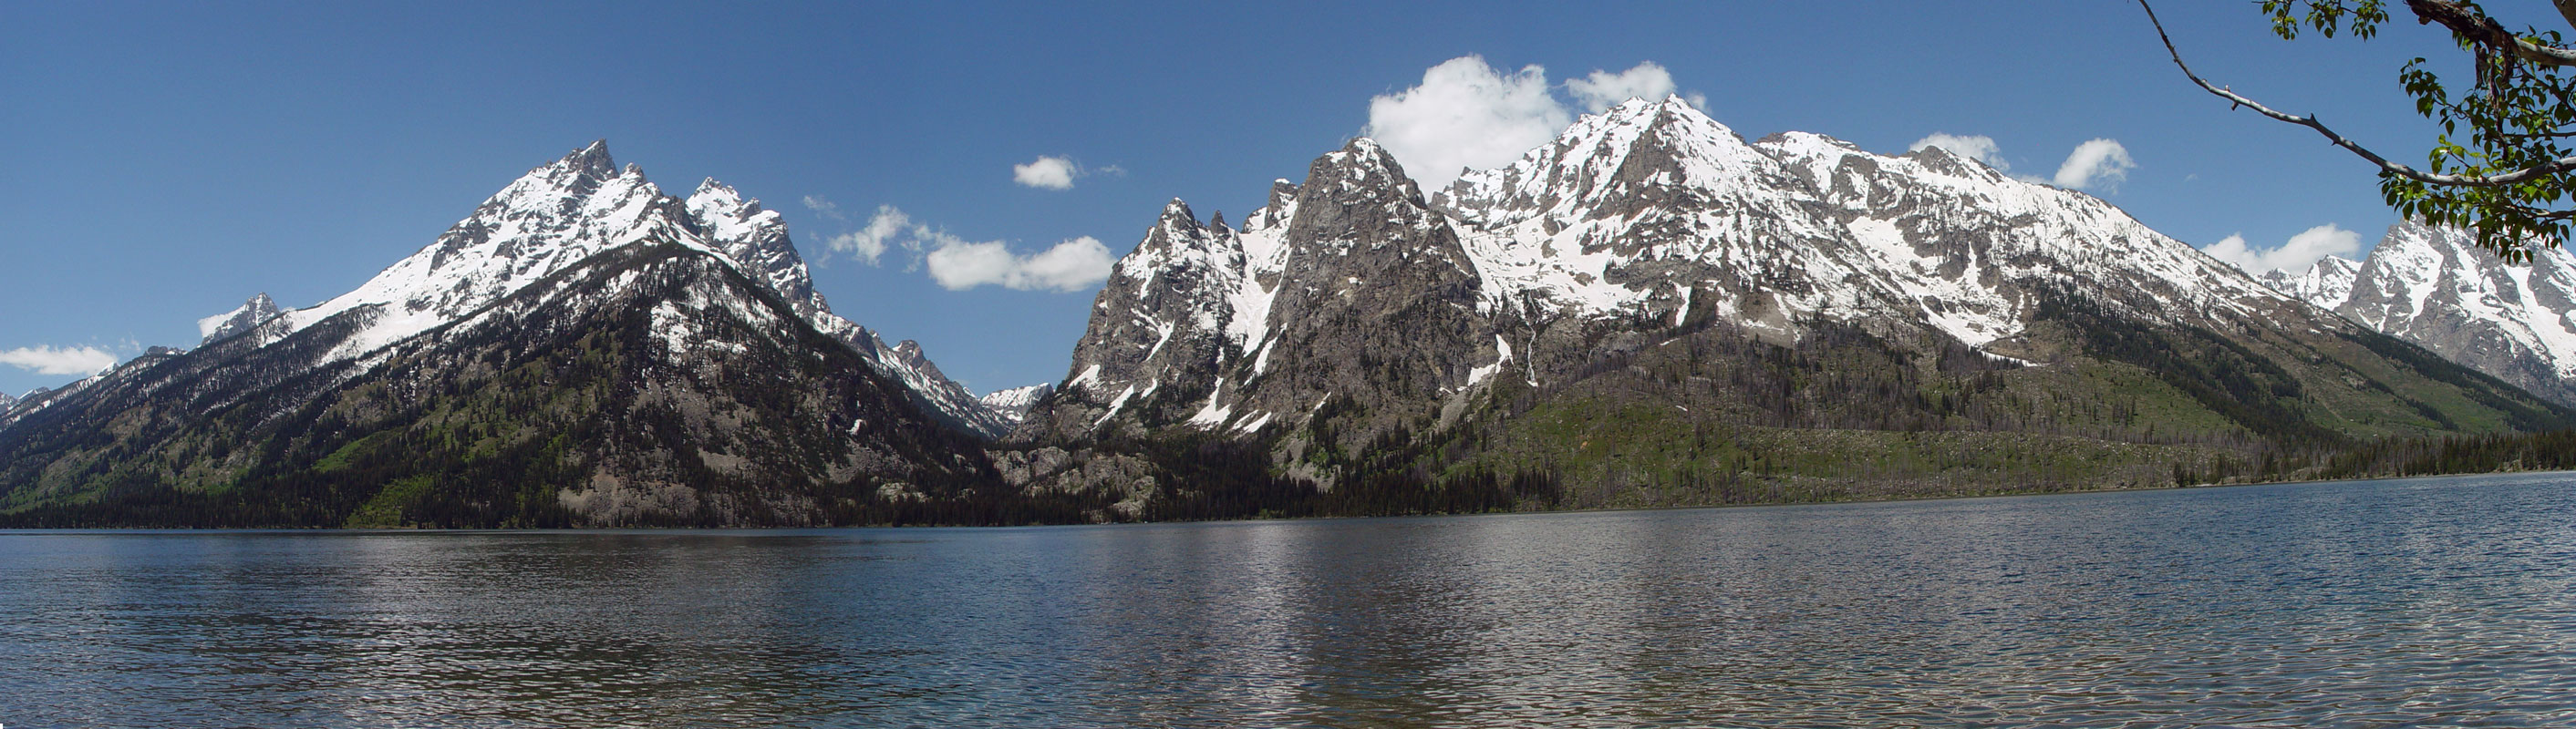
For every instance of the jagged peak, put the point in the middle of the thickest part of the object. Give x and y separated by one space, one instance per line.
1276 209
579 173
251 313
1177 215
593 158
717 198
1359 166
1364 153
1646 114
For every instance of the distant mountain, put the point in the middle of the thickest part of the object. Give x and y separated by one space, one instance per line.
2434 287
241 319
1014 403
2327 283
1657 311
581 350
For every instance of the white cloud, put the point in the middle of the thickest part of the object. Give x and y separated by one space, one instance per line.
1603 89
2298 253
887 226
2100 162
1053 173
47 360
1977 147
1465 114
1072 265
825 208
959 264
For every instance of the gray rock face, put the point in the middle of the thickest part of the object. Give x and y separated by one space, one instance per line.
1348 286
241 319
2436 288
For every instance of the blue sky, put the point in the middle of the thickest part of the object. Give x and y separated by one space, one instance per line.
160 162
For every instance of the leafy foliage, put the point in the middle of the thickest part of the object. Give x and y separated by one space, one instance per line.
2502 165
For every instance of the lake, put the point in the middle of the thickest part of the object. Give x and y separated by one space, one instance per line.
2420 602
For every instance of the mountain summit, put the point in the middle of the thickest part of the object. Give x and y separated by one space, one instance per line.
2435 287
582 349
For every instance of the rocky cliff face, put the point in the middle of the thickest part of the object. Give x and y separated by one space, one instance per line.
1347 286
2434 287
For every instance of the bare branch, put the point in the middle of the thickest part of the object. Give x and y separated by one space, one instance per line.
2537 171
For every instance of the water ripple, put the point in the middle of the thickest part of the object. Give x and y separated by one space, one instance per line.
2429 602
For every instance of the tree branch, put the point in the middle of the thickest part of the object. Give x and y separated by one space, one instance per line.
2544 169
2476 26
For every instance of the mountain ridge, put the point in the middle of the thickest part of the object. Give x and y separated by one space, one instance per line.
2436 288
1652 227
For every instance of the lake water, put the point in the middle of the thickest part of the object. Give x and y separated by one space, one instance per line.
2386 603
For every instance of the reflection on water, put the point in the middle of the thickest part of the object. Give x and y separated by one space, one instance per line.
2422 602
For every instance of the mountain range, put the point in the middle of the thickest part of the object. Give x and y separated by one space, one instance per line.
1649 310
1658 311
2436 288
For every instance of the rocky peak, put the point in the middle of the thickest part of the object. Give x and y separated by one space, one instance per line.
2326 284
590 163
569 210
1336 287
1275 211
2435 287
241 319
1611 164
552 217
1359 196
755 238
1013 404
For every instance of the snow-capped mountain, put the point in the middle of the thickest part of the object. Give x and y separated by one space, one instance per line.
2327 283
1632 219
1226 329
1014 403
7 401
2436 288
1353 295
241 319
582 350
562 213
